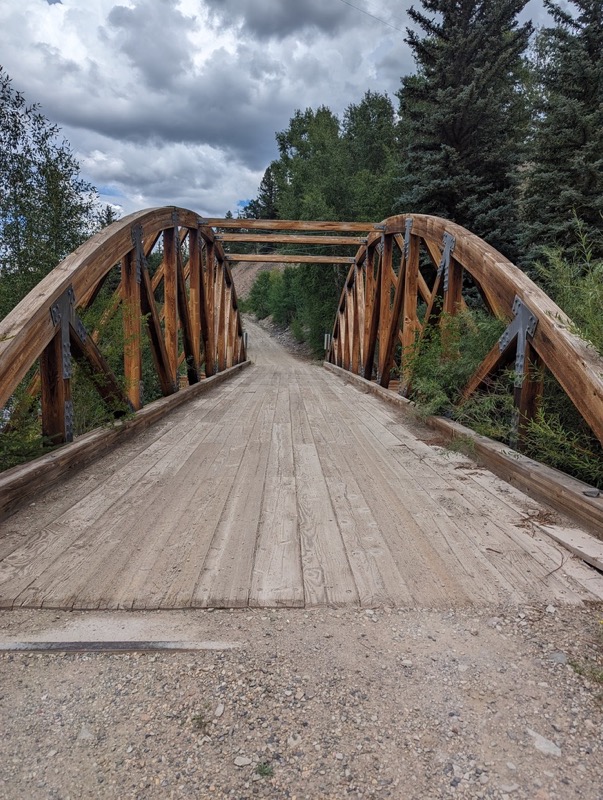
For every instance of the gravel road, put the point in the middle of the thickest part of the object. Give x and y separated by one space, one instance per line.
497 703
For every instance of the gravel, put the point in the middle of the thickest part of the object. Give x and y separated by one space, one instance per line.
314 704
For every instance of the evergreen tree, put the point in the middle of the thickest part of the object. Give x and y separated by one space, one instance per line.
565 176
312 171
45 207
463 115
369 135
264 206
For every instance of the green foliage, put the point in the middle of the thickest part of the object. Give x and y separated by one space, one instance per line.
492 412
282 296
463 115
303 298
265 204
264 769
259 296
440 367
571 450
45 207
329 169
441 364
564 180
574 279
25 441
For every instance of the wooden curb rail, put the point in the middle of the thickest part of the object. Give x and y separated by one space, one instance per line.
21 482
543 483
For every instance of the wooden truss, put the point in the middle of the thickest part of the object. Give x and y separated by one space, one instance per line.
189 311
191 316
378 311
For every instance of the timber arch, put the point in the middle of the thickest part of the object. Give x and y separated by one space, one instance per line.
379 301
189 307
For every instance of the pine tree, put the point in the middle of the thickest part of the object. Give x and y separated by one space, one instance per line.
564 184
463 115
264 206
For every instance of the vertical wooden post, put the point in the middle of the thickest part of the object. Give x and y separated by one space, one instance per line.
221 316
356 334
210 300
528 396
170 298
57 408
385 304
409 311
228 317
453 293
374 297
130 282
196 290
359 299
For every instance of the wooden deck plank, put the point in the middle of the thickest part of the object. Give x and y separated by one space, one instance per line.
517 577
155 533
284 487
277 572
99 544
228 565
374 568
328 578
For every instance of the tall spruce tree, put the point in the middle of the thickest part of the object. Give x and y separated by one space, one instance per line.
463 115
264 206
564 183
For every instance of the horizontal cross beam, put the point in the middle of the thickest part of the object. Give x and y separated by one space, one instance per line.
289 259
286 225
291 238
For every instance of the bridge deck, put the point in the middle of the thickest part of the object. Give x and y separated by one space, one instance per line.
282 487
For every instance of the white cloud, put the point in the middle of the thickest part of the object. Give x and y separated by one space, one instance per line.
177 101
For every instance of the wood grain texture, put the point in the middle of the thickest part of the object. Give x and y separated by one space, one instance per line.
282 487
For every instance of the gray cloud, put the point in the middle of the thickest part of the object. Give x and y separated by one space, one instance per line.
178 101
153 36
264 19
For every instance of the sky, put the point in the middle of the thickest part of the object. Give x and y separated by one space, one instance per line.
176 102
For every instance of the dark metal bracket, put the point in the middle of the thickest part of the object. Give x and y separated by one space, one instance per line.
520 328
444 266
63 315
407 230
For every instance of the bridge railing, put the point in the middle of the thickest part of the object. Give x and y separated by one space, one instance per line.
188 307
378 324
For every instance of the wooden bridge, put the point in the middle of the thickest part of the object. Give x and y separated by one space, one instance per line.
267 480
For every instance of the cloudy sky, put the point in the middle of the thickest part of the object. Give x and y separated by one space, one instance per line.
177 101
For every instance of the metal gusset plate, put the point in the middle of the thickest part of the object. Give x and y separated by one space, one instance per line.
520 328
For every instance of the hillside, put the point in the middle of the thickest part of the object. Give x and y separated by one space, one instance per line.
245 273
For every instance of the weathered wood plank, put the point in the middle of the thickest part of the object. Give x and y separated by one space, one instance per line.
291 238
277 575
287 225
287 258
131 325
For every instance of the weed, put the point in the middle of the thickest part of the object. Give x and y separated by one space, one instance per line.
264 769
461 444
200 720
